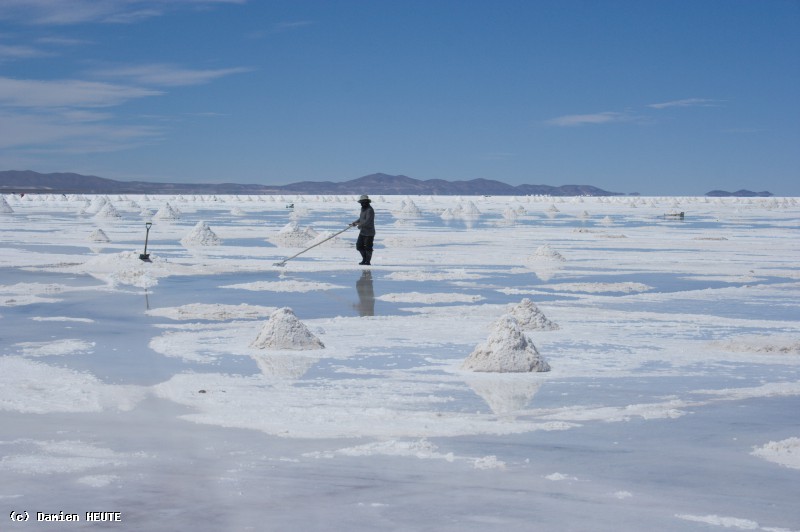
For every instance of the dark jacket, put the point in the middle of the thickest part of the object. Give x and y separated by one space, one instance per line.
366 221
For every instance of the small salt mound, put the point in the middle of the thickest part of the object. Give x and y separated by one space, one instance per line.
409 208
285 331
510 214
5 208
323 237
99 236
447 215
292 236
201 235
531 318
166 212
108 211
471 210
546 254
785 452
97 203
506 350
236 211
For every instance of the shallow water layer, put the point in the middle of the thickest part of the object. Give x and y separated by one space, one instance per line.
135 386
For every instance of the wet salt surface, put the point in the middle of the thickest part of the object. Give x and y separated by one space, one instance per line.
648 418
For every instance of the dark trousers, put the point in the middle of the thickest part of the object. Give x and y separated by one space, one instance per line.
364 243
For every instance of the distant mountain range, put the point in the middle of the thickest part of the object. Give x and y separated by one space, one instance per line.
66 183
28 181
739 194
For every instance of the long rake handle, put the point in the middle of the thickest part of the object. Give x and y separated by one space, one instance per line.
281 263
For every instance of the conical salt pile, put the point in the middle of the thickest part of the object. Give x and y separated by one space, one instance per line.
201 235
292 236
96 204
546 254
507 350
5 208
285 331
531 318
409 208
108 211
471 210
166 212
99 236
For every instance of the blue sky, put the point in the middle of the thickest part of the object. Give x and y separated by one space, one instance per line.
658 97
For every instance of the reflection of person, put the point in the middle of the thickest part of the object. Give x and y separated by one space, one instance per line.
366 295
366 223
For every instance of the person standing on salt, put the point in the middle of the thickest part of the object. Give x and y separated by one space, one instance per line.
366 223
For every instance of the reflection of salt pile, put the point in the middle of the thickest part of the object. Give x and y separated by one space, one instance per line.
201 235
292 236
285 331
99 236
505 394
283 366
5 208
506 350
530 317
166 212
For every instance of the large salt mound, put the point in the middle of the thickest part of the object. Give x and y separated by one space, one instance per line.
201 235
285 331
530 317
506 350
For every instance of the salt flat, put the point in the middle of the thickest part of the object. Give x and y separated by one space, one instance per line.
671 400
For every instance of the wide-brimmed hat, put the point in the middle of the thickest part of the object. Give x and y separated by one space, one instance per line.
364 197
